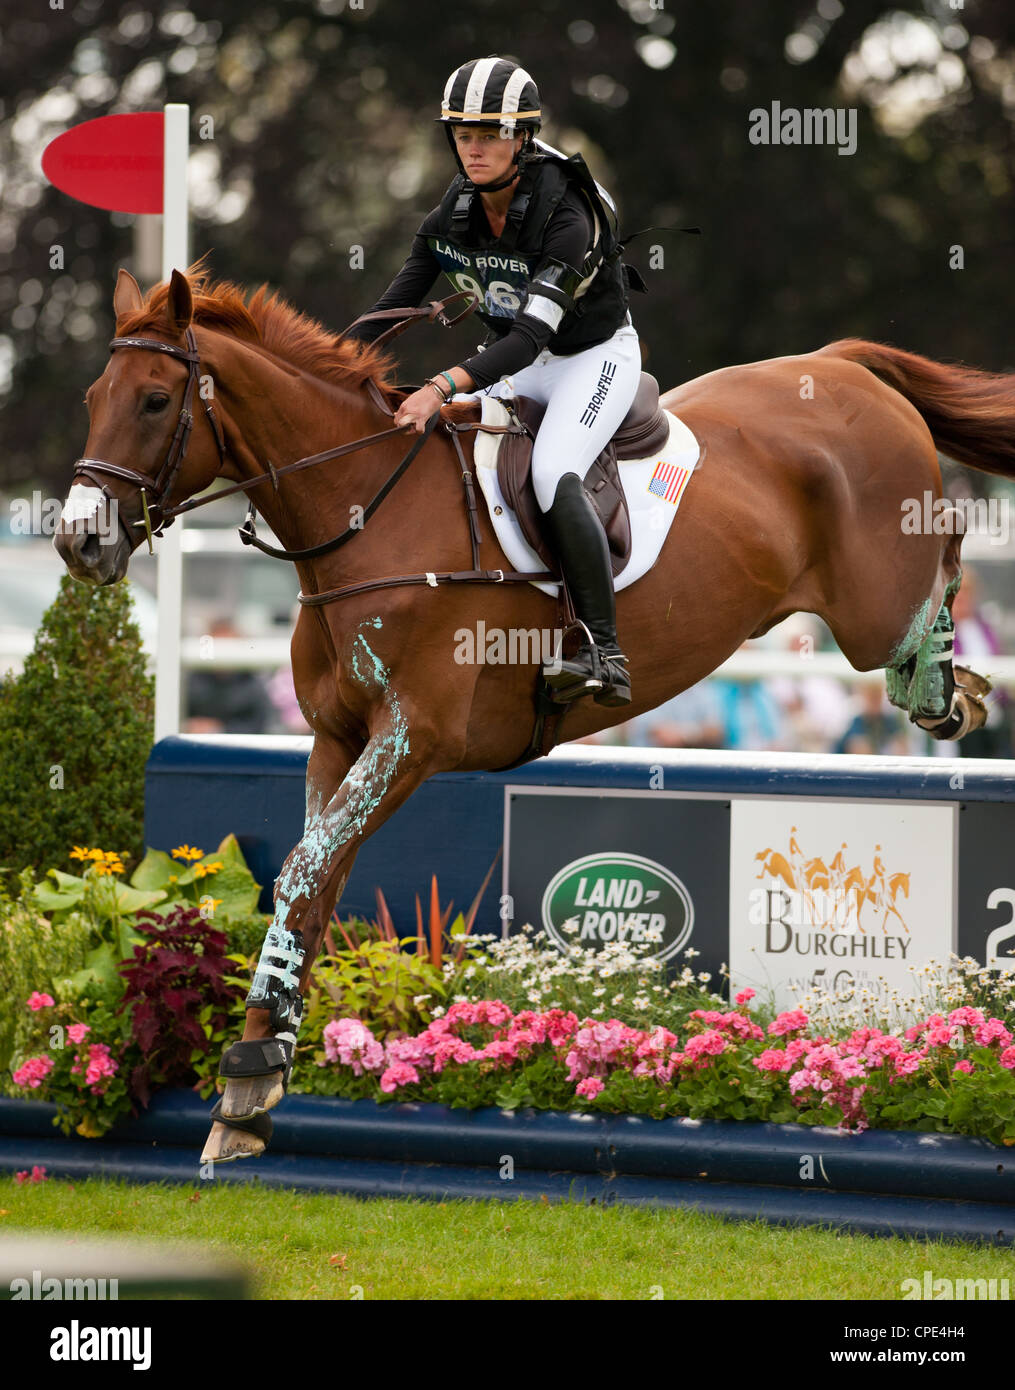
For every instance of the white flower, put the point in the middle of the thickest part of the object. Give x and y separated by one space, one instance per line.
420 999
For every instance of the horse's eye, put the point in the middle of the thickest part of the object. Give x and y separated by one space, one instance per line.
156 403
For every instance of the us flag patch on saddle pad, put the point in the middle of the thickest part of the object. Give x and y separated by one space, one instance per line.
668 481
653 486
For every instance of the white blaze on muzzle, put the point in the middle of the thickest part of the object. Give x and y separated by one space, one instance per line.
88 504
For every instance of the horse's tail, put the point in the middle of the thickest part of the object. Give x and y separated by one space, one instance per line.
970 414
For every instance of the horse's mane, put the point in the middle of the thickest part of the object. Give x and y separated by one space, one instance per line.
274 324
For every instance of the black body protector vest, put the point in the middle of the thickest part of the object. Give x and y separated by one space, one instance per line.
584 305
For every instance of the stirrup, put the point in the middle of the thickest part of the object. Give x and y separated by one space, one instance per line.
570 680
594 670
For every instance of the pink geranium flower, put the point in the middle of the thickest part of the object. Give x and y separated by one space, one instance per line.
38 1001
400 1074
77 1032
789 1022
992 1031
745 995
589 1088
350 1042
100 1066
33 1073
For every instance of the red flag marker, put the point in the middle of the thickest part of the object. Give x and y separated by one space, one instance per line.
113 162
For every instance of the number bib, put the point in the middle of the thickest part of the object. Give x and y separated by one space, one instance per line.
498 281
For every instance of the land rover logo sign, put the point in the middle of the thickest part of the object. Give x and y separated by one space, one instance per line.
618 897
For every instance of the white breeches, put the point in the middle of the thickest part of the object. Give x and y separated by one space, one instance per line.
586 396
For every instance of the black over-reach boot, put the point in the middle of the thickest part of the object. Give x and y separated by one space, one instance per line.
578 540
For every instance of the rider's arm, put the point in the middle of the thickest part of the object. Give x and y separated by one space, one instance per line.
550 295
409 287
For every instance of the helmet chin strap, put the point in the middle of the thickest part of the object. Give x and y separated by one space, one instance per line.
493 187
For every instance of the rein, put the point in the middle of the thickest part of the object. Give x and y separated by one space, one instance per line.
162 483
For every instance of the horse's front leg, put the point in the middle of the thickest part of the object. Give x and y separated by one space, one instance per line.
390 767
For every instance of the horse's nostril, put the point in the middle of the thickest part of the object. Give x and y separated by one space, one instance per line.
89 551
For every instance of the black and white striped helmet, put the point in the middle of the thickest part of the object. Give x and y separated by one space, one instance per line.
492 91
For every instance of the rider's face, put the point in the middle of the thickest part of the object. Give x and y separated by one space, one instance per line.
485 152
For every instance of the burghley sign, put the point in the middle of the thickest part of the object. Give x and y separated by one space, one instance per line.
619 897
842 896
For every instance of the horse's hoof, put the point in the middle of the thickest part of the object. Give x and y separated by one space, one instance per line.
968 713
224 1144
970 682
252 1095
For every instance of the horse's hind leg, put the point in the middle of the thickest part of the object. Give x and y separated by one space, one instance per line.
944 699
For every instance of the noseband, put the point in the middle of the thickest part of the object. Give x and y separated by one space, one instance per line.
161 485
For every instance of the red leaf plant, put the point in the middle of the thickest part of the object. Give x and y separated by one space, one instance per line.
178 972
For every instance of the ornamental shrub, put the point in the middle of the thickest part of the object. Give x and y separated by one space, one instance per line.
76 728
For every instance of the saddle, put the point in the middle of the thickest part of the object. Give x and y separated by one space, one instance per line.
645 429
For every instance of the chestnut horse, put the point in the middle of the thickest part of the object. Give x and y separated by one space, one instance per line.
809 468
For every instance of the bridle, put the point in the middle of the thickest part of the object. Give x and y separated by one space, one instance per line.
548 714
161 485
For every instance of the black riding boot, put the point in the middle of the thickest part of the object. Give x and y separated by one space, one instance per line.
579 542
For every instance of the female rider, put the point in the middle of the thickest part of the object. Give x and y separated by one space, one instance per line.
533 236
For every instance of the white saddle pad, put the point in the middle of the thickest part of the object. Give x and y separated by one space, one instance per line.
653 487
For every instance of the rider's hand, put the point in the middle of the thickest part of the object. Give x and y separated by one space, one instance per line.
416 409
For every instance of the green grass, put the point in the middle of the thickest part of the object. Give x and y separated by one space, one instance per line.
307 1246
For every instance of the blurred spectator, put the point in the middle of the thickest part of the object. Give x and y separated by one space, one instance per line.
282 694
878 726
750 716
975 643
222 700
691 719
815 709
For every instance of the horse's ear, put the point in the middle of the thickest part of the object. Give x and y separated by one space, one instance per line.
179 303
127 297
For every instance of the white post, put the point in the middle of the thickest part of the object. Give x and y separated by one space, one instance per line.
175 219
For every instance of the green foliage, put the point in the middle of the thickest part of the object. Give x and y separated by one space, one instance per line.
246 936
75 731
34 955
941 1099
220 883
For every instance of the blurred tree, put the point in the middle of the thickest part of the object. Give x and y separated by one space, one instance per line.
316 157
